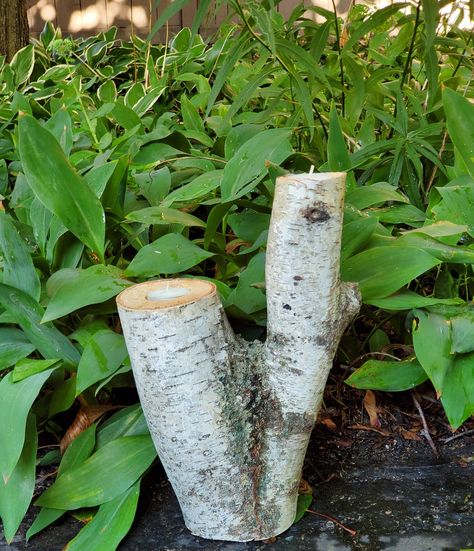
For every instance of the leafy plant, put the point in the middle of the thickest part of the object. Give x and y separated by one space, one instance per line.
112 152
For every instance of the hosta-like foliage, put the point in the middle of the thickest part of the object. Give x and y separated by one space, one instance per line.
121 161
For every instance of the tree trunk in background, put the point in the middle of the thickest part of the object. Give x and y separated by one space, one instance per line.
14 32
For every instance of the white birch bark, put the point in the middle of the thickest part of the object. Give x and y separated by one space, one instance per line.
231 420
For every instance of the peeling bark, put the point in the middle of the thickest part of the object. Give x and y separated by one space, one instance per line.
231 420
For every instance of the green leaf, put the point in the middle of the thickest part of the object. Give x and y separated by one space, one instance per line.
338 157
45 518
50 342
16 400
76 453
248 225
199 187
381 271
446 253
103 476
27 367
164 215
72 289
246 296
125 117
110 524
247 167
18 268
456 205
432 341
14 346
458 390
406 300
153 153
367 196
304 503
462 327
129 421
191 118
170 254
98 177
388 376
60 126
459 116
356 234
22 64
103 355
58 186
16 494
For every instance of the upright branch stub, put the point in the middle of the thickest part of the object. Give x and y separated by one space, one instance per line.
308 310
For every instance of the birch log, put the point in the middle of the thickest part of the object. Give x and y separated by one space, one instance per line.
231 420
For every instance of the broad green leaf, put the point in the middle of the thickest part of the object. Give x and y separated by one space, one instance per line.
399 214
462 327
103 476
356 234
388 376
16 494
60 126
248 225
18 268
247 167
164 215
456 205
27 313
22 64
98 177
246 296
191 118
440 229
72 289
45 518
458 390
155 185
58 186
406 300
104 354
125 117
76 453
170 254
459 116
199 187
238 136
129 421
446 253
14 346
153 153
304 503
110 524
338 157
432 341
16 400
367 196
63 396
383 270
27 367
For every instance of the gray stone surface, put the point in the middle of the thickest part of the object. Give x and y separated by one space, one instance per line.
426 506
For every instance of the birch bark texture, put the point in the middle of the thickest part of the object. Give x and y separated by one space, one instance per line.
231 420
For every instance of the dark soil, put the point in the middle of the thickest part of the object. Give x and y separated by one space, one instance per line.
385 483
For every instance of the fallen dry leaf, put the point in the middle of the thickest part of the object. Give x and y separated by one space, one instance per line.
370 406
410 435
83 420
373 429
329 423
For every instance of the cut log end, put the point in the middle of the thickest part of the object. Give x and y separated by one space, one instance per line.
164 293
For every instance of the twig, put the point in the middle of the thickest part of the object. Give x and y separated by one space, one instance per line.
456 436
426 432
327 517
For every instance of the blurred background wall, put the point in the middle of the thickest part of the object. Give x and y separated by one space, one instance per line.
86 17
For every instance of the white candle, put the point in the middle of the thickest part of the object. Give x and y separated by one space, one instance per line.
167 294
